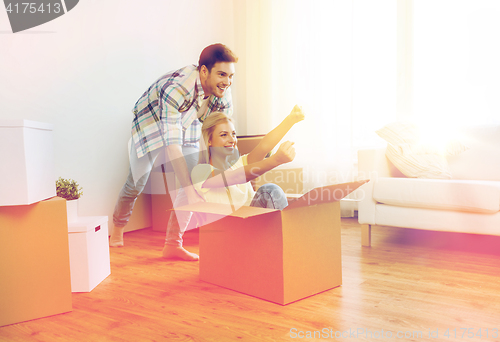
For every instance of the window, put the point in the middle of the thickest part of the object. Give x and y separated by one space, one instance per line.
456 54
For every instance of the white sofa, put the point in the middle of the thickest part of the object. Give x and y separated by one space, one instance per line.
469 202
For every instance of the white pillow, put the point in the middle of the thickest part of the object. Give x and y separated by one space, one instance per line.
418 165
411 157
455 147
398 133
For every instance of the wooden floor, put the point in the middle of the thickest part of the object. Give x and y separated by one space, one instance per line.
428 286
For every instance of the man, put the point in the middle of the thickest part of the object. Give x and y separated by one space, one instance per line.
167 123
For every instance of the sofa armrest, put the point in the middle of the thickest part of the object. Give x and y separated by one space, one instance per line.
373 163
366 206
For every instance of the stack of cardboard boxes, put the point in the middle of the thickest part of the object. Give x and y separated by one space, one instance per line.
39 262
34 254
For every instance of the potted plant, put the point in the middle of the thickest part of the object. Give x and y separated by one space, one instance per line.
71 191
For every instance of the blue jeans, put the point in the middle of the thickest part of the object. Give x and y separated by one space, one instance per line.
269 196
132 189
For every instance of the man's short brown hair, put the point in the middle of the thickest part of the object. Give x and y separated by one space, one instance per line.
216 53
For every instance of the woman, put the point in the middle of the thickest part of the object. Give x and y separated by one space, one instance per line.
223 176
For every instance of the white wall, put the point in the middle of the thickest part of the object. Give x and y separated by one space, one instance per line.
84 71
253 79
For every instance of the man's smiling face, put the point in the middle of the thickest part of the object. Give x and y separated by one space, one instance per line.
216 81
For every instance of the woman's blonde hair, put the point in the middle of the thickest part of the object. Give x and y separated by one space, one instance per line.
207 130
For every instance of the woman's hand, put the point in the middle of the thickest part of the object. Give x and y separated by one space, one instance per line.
296 115
285 153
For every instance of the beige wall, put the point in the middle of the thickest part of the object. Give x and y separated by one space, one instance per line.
84 71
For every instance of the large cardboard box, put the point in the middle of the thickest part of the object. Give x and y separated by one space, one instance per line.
34 261
88 252
280 256
27 174
161 201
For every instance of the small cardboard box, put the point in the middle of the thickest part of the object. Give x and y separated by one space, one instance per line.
34 261
88 252
280 256
27 154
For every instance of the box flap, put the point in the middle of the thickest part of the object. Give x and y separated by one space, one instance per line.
245 212
26 123
86 223
325 194
220 209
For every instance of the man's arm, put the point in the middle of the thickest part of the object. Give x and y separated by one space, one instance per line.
170 100
274 137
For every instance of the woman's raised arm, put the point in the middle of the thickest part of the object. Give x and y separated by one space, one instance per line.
285 154
272 138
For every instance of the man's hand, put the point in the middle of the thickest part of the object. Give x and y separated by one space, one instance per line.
296 115
285 153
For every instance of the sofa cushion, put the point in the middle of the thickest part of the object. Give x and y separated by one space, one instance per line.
459 195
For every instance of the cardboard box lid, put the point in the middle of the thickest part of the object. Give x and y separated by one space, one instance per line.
246 143
26 123
325 194
329 193
219 209
86 223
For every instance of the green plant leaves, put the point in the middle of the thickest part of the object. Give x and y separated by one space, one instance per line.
68 189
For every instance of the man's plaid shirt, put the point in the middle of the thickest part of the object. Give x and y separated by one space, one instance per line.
167 113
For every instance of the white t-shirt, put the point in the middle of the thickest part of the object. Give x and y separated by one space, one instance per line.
241 194
203 107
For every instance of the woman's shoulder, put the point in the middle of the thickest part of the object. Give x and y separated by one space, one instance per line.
242 160
201 172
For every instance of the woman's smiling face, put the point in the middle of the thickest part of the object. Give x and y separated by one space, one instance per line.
224 135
